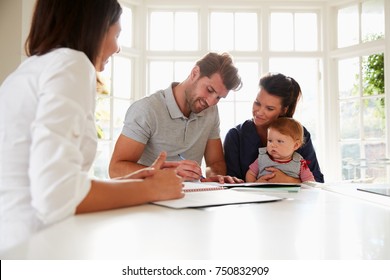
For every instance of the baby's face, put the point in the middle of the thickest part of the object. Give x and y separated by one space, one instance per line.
280 146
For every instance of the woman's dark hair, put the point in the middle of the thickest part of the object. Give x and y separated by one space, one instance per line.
76 24
284 87
223 64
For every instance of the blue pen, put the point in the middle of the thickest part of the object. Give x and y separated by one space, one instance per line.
180 156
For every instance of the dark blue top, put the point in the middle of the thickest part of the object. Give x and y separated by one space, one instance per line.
242 145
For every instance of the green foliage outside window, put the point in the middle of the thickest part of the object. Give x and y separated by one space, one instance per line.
374 74
374 78
374 81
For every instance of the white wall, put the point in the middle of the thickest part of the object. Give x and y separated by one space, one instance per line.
15 18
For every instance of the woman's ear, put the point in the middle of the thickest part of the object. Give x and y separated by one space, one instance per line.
284 111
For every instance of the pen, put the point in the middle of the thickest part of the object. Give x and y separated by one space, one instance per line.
180 156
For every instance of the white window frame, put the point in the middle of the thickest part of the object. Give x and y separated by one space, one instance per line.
328 54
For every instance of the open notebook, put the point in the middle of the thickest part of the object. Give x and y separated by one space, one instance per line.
211 186
206 195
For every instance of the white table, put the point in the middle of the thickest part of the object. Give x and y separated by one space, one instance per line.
311 224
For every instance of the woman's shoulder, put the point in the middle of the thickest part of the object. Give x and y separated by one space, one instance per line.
65 54
65 59
240 128
246 125
306 133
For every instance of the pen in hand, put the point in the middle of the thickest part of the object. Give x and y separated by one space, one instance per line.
181 157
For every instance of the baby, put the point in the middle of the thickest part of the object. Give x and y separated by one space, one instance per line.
285 136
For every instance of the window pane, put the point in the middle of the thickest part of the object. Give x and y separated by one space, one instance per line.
122 77
227 116
182 70
249 72
348 26
221 31
246 31
281 32
237 107
348 77
373 20
160 75
102 158
243 111
186 31
306 38
161 31
350 157
373 74
305 72
126 36
105 79
118 115
102 114
374 118
376 162
349 120
233 113
102 109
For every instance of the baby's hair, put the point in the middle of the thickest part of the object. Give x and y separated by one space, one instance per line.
289 127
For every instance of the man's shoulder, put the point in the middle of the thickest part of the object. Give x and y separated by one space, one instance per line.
155 98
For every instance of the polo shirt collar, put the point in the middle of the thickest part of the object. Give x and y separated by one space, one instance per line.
173 108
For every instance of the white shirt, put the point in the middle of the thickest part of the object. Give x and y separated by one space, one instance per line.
47 141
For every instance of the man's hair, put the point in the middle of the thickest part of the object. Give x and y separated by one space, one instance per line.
77 24
223 64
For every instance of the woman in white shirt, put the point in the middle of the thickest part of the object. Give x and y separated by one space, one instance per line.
47 129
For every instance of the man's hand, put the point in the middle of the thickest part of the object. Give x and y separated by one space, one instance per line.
223 179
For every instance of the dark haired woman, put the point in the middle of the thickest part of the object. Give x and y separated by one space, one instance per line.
47 129
278 97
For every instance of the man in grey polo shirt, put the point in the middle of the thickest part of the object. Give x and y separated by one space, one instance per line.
181 120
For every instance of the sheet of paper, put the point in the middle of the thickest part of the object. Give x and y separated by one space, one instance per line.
261 185
216 198
264 187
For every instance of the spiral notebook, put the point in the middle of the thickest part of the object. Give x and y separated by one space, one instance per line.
210 186
198 187
199 195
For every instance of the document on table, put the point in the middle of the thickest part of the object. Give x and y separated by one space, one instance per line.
215 197
265 187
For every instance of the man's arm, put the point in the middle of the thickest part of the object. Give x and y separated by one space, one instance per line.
124 159
215 160
215 164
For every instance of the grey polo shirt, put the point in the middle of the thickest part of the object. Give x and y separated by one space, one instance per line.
157 122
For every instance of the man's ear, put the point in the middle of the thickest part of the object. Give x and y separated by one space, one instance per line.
195 73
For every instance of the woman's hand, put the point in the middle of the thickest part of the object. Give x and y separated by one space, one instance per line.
165 184
147 171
